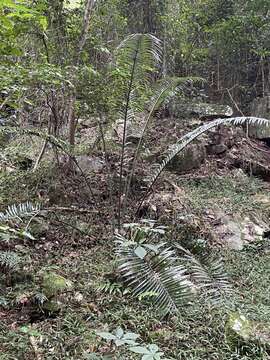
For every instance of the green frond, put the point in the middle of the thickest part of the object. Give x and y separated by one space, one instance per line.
9 261
168 87
141 51
191 136
157 273
211 277
17 212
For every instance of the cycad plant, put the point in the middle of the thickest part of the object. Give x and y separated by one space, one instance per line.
154 270
139 56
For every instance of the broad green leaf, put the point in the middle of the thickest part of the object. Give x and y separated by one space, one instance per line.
131 336
106 335
119 332
139 350
140 252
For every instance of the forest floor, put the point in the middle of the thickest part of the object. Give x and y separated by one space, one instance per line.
79 245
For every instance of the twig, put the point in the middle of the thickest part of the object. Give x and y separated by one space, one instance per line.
40 156
68 209
33 342
234 102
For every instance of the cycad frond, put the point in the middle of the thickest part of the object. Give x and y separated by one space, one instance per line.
141 51
191 136
156 273
211 277
167 88
138 53
162 94
17 212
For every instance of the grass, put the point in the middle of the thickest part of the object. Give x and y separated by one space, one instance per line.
229 193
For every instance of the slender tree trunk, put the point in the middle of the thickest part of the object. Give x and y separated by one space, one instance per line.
72 98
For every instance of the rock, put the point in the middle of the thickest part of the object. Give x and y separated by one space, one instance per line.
54 284
260 107
240 330
217 149
52 306
90 164
253 158
221 139
191 158
133 131
236 232
179 109
233 235
87 122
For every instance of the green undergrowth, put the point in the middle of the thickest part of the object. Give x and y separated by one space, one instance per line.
228 193
91 305
198 332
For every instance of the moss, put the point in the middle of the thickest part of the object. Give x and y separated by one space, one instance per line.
54 284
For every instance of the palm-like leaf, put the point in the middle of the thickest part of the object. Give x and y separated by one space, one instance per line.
156 273
162 94
191 136
211 277
141 51
137 54
17 212
208 274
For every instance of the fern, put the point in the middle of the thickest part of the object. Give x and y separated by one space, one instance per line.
9 261
191 136
17 212
141 51
111 288
156 272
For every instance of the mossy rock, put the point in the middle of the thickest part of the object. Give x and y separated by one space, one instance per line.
242 331
52 306
54 284
191 158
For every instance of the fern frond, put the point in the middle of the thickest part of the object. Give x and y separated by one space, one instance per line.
17 212
157 273
9 261
191 136
137 53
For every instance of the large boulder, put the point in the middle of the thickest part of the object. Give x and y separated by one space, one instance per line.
191 158
179 109
260 108
241 331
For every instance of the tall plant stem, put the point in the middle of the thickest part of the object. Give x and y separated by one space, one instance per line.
124 134
135 158
109 170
